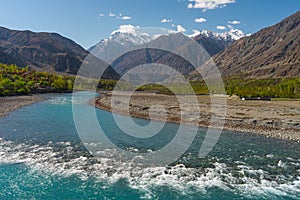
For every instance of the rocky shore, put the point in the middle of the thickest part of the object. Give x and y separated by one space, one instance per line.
9 104
279 119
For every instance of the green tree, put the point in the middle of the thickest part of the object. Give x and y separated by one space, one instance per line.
58 84
8 86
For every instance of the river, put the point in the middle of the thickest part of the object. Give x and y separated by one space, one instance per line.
42 157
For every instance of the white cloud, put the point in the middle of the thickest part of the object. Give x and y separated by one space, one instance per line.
180 29
195 33
101 15
165 20
119 16
234 22
172 31
221 27
190 5
126 28
126 17
209 4
112 14
200 20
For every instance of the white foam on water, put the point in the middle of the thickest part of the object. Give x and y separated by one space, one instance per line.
66 100
243 179
270 156
60 101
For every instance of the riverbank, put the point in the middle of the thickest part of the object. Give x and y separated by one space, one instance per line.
279 119
9 104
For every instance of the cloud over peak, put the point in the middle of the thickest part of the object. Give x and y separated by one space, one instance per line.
209 4
221 27
195 33
181 29
126 28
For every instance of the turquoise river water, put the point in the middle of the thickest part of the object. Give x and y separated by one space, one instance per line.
42 157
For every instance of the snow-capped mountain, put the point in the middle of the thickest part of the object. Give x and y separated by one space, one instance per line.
232 35
258 57
213 42
126 38
118 43
129 39
176 41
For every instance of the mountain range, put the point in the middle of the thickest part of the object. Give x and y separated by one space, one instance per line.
44 51
126 50
272 52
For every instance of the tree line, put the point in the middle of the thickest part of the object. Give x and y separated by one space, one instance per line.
19 81
273 88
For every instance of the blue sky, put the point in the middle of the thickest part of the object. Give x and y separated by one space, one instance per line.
87 22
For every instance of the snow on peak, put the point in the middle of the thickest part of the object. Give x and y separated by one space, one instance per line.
126 28
126 38
130 34
236 34
233 34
